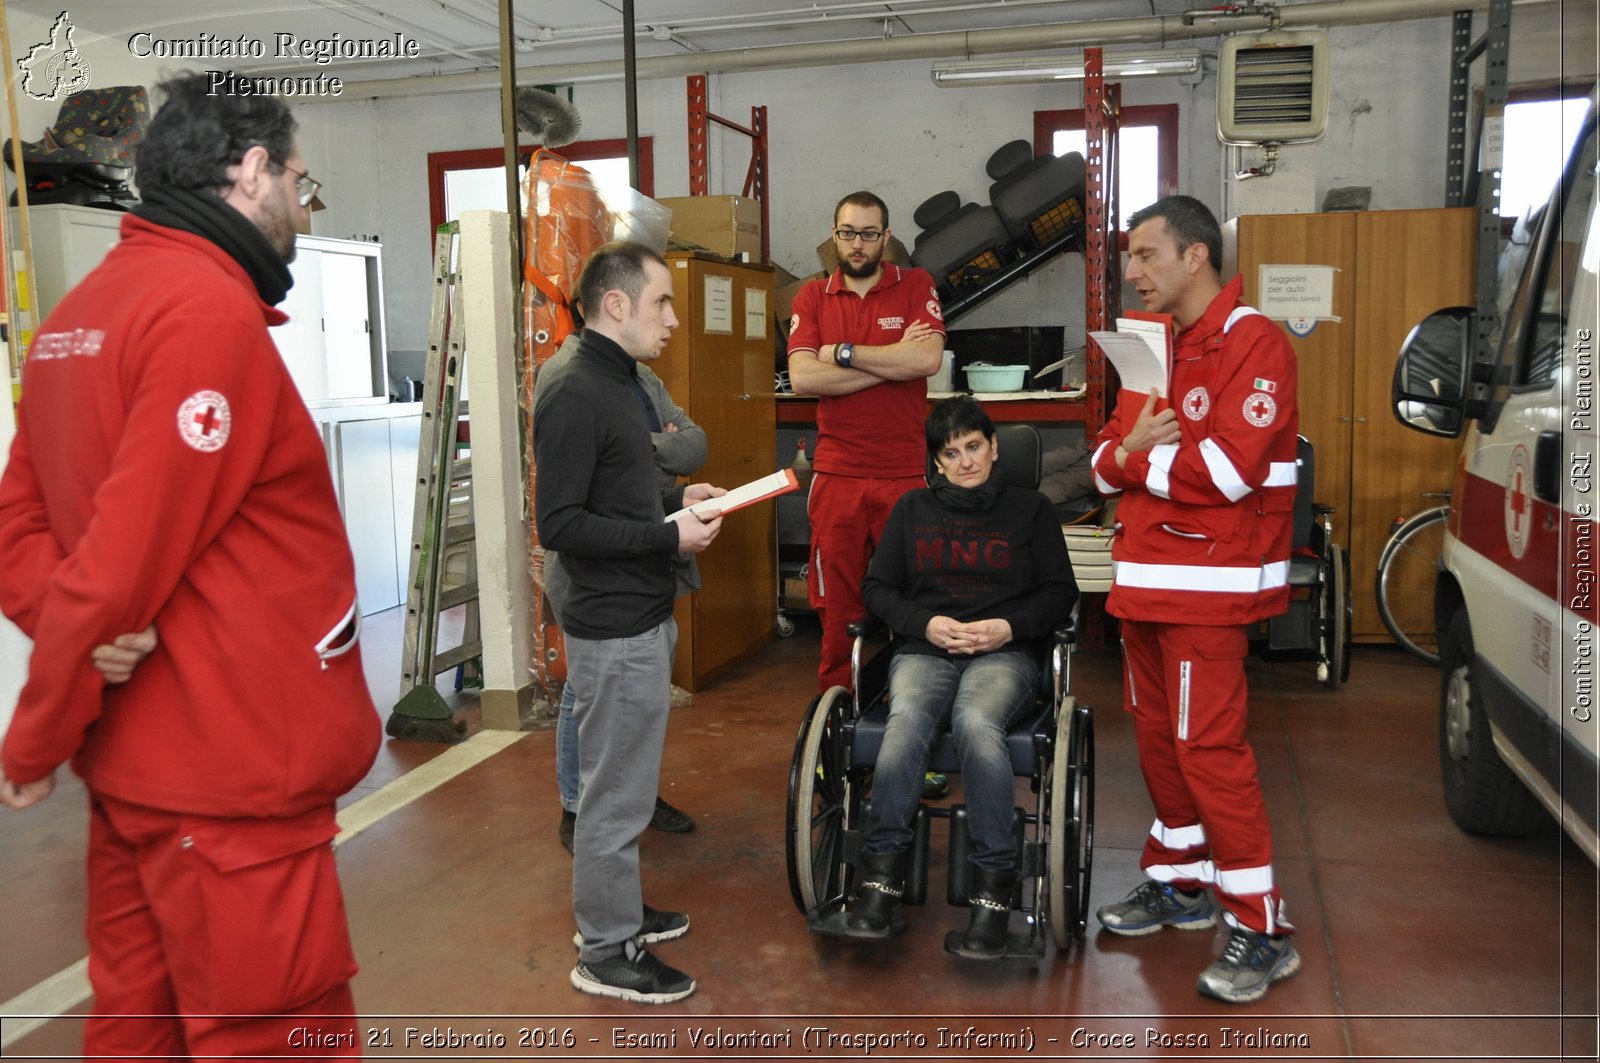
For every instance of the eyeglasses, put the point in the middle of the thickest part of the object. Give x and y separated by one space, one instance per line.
850 236
305 186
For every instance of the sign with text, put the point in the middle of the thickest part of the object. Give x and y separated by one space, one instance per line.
1297 293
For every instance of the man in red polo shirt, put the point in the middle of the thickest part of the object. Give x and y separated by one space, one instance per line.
865 340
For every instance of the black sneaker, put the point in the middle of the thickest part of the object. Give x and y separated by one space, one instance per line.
569 827
671 820
635 975
657 926
1248 966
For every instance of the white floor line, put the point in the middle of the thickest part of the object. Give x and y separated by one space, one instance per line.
56 995
66 989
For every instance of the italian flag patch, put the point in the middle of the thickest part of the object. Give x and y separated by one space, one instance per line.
1268 386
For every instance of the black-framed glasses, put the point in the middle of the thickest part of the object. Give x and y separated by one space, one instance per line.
866 236
305 186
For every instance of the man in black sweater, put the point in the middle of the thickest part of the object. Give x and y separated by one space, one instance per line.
971 576
599 502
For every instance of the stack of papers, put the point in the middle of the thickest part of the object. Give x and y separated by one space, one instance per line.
1141 354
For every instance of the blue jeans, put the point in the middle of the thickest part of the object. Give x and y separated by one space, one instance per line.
567 751
980 696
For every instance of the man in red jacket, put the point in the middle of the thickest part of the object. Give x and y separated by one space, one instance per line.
1202 551
166 476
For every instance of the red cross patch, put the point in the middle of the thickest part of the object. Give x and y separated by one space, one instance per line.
1196 404
205 421
935 309
1519 500
1260 409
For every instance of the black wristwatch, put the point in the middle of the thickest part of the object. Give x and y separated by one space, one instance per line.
844 353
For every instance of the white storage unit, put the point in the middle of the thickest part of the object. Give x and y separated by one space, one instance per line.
68 242
334 342
372 451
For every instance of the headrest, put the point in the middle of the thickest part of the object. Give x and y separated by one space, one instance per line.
1019 459
1019 454
1007 158
935 208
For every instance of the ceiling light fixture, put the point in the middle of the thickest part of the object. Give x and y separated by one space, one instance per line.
949 73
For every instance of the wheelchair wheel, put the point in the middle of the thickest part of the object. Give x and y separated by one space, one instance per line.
1343 619
1408 570
1333 605
1069 803
818 792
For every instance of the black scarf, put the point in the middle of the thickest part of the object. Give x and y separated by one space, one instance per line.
207 216
978 499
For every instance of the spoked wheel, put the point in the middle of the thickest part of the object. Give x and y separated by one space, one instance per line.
818 792
1408 569
1069 832
1344 618
1334 605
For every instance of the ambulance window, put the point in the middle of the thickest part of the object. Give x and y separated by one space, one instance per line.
1548 283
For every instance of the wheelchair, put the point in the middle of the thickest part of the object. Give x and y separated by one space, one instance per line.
1052 745
1317 622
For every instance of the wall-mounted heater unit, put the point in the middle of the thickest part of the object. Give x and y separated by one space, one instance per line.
1272 88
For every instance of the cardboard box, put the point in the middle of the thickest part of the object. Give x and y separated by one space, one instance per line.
783 299
724 225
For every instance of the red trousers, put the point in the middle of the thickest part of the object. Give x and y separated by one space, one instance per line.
1186 690
216 937
847 517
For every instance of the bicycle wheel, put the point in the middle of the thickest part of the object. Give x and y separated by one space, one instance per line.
1408 569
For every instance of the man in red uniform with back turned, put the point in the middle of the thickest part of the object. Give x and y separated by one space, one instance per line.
167 480
1202 551
865 339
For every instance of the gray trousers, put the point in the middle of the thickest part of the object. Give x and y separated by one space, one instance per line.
622 692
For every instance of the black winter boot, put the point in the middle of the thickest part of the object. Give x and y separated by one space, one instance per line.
874 915
985 938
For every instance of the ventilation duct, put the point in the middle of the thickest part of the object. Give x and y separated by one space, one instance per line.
1272 88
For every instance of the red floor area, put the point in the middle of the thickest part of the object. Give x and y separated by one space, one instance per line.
1418 941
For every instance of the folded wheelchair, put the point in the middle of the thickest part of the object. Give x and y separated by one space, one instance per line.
1052 745
1317 623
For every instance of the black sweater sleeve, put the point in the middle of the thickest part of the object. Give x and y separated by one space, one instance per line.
887 586
1057 589
574 514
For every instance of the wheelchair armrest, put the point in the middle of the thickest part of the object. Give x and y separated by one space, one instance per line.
1321 509
865 628
1066 632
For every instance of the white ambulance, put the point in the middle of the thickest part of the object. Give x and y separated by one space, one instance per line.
1515 599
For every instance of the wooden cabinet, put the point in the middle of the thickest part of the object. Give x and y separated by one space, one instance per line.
1395 267
718 367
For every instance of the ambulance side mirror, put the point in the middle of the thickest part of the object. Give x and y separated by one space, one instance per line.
1431 379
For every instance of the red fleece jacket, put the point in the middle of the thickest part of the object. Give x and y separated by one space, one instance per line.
166 470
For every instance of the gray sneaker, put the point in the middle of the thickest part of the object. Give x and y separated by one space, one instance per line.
1249 964
635 975
1153 905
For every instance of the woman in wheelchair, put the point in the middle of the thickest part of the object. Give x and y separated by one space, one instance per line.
971 577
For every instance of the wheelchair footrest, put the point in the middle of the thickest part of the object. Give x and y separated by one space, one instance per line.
830 922
1022 943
